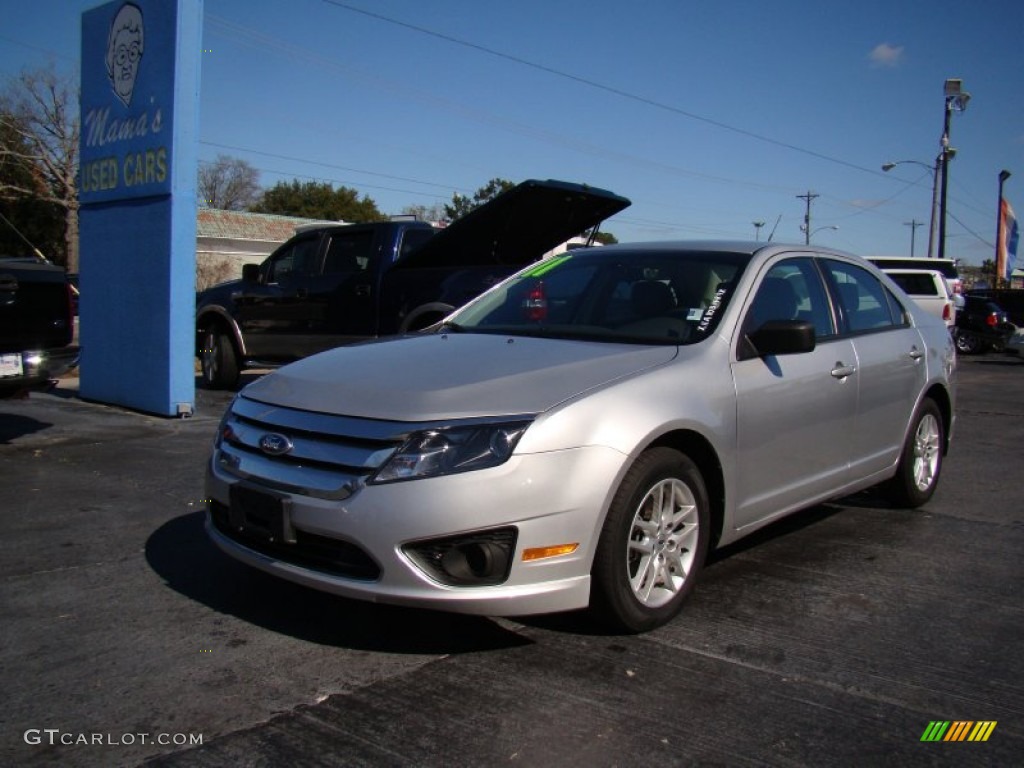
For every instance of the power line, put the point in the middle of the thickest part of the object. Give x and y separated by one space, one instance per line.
600 86
325 165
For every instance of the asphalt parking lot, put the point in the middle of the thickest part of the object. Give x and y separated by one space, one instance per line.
833 638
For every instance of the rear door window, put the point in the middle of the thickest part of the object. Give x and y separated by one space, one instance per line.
865 304
349 252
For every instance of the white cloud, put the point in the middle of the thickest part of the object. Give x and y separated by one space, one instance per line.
885 55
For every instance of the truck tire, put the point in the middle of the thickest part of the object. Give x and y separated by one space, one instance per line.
218 360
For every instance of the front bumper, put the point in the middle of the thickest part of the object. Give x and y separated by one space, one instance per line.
547 499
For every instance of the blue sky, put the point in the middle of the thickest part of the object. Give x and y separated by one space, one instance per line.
708 115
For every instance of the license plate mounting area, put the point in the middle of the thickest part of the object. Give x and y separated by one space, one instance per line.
261 514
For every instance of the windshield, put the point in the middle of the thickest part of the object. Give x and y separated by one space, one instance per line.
654 296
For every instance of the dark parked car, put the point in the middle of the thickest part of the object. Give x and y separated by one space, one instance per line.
36 324
981 324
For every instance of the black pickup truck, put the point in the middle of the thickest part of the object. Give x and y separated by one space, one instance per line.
36 324
331 285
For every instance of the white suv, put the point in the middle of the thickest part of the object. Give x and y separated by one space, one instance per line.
929 289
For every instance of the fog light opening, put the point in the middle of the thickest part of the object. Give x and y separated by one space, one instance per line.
478 559
475 561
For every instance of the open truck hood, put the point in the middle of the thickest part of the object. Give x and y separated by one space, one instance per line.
518 226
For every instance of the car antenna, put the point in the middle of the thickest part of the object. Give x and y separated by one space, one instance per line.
28 242
774 228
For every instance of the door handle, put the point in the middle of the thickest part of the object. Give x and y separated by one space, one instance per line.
842 371
916 354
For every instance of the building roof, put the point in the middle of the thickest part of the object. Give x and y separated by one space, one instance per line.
242 225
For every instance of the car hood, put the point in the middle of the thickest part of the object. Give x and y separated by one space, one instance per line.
451 376
518 226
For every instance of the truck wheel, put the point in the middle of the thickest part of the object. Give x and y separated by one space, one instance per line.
653 542
218 360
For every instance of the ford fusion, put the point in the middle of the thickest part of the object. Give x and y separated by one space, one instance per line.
586 431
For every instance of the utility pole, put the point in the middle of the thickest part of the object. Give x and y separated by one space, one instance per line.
807 216
913 224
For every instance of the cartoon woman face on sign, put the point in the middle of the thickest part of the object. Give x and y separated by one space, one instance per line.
124 50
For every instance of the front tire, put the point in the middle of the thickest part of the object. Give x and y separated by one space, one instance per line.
653 543
917 473
217 360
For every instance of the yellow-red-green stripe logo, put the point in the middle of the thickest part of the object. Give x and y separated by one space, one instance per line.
958 730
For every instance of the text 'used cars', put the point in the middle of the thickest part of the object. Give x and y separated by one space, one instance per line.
586 431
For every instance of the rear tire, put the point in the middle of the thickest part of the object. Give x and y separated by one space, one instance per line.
917 474
218 360
968 343
653 542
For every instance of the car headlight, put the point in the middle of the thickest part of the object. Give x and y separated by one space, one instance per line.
436 452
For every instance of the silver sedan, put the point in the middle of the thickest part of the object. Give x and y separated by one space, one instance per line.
586 431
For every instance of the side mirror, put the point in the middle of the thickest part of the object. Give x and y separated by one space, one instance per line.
782 337
251 273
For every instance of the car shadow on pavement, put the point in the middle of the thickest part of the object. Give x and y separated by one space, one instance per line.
182 554
13 426
1011 360
582 623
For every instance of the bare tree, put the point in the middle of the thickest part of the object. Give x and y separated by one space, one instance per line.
228 183
433 212
39 111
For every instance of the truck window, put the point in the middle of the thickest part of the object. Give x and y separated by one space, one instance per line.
295 261
349 252
915 284
413 239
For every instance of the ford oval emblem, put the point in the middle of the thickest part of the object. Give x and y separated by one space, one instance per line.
274 444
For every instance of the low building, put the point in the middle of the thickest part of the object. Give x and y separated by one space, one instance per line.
225 240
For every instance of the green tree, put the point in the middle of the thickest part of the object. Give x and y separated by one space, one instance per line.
461 204
317 200
39 151
605 238
228 183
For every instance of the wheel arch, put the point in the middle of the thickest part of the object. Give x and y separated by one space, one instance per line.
434 311
214 316
941 397
702 453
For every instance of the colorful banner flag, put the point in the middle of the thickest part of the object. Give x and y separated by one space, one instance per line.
1006 248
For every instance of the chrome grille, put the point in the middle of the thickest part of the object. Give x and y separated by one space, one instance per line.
329 457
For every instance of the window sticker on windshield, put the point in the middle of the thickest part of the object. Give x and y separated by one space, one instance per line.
709 313
546 266
694 314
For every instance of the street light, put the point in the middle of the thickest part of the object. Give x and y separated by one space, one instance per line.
935 192
757 230
813 232
956 99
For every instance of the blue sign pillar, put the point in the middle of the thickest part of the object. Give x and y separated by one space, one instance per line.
137 192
